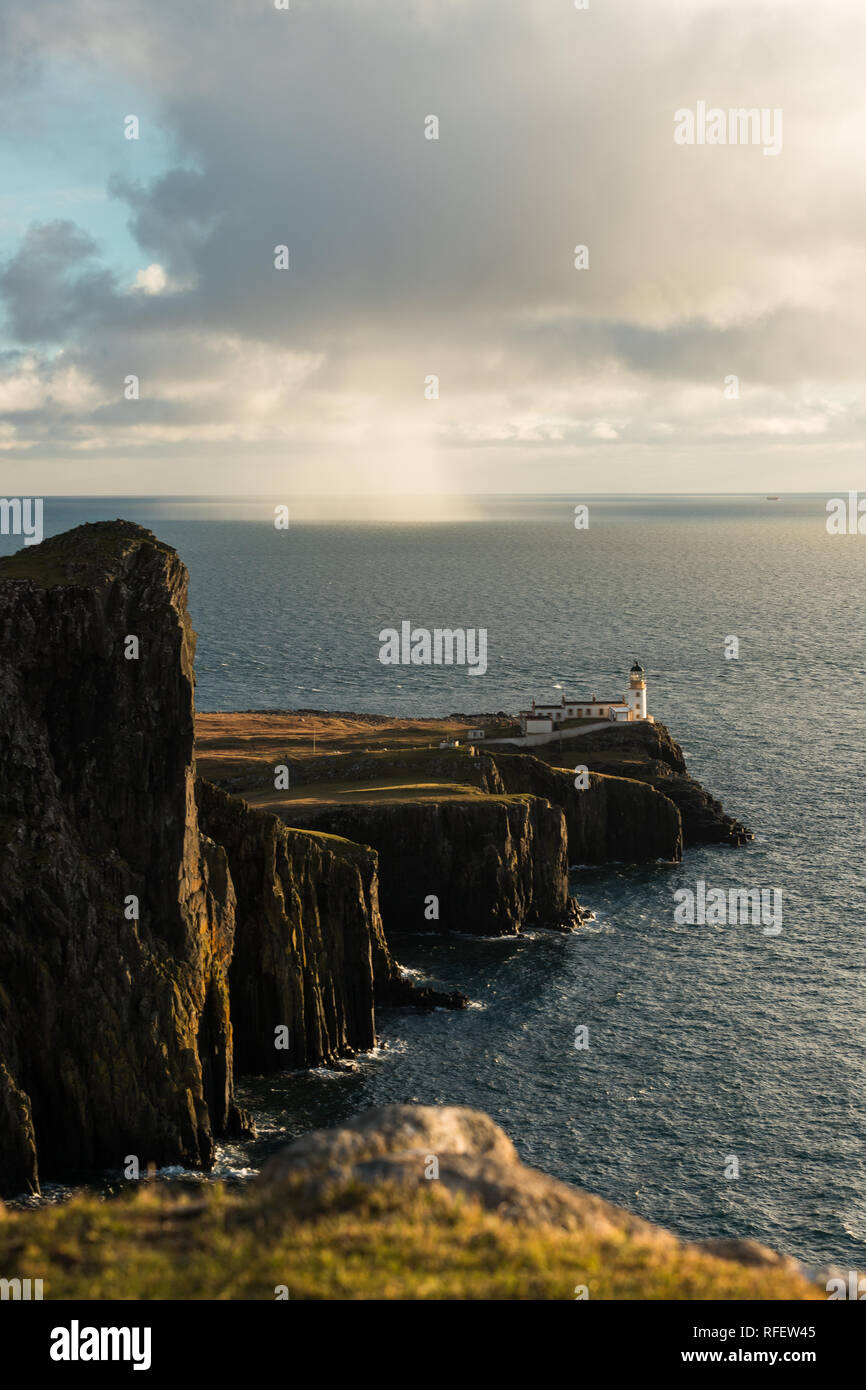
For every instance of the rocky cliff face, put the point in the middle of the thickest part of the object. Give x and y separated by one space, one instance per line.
310 954
614 818
620 817
647 753
493 863
114 1019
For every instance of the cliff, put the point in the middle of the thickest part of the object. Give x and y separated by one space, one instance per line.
641 804
493 863
310 954
614 818
114 1028
152 933
140 925
647 753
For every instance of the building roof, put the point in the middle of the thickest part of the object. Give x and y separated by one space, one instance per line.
573 702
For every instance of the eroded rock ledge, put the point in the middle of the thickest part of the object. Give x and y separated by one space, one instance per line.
647 753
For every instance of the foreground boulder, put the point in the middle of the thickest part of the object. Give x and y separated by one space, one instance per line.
473 1156
116 913
508 1234
461 1152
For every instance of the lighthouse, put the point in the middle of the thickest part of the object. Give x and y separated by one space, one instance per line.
637 691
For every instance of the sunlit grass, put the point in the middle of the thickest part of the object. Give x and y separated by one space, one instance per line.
383 1243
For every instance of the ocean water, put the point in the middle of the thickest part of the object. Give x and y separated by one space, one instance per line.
706 1044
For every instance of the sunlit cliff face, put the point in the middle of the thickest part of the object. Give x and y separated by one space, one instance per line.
356 247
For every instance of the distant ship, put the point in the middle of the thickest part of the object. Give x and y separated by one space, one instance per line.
773 499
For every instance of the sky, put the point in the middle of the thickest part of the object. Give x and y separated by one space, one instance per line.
432 333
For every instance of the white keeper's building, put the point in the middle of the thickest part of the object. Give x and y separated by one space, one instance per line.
546 719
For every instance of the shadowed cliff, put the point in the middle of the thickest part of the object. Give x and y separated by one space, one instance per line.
135 931
115 1037
493 863
610 819
310 954
647 753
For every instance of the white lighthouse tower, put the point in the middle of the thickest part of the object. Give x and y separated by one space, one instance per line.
636 697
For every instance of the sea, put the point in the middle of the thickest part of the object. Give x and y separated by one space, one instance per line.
721 1090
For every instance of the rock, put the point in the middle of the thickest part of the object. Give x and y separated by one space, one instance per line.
403 993
394 1131
647 753
747 1252
310 953
704 818
495 863
309 945
114 1032
613 819
476 1159
18 1164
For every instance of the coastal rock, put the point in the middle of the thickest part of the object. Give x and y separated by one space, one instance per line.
647 753
391 1131
475 1158
309 945
402 993
115 1037
18 1163
493 863
748 1252
613 819
310 954
476 1161
705 821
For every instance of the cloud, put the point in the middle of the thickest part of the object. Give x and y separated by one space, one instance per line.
151 280
411 257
